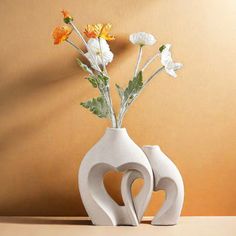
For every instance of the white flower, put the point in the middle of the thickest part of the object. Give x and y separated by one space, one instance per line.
98 54
142 38
166 60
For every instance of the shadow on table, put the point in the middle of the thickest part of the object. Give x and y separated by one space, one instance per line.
41 220
48 220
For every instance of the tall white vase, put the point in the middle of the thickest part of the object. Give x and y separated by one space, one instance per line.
114 151
168 178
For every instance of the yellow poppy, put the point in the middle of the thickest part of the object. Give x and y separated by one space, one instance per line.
99 31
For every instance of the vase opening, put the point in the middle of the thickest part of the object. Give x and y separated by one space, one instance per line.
116 129
151 147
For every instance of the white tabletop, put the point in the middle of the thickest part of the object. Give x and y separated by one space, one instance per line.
70 226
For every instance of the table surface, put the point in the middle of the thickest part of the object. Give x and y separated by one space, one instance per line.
70 226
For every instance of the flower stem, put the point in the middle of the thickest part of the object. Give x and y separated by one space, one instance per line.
126 106
112 113
77 48
138 60
103 64
85 43
149 62
79 34
152 76
106 92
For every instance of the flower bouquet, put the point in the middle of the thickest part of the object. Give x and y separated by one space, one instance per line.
99 55
116 151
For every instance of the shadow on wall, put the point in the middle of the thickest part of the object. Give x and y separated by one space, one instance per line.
28 104
34 92
24 102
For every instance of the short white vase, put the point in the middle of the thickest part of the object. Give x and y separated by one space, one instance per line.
115 151
168 178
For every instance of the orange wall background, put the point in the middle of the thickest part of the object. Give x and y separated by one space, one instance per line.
44 132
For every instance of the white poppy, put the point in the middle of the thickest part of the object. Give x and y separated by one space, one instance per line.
167 61
142 38
98 53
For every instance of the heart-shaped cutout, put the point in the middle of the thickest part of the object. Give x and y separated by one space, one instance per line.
112 182
136 187
156 202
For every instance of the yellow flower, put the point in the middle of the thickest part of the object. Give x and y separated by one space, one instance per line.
99 31
61 33
67 17
105 32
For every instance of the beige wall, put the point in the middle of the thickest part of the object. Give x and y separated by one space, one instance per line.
44 133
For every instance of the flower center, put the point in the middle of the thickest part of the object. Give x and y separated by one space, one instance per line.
98 53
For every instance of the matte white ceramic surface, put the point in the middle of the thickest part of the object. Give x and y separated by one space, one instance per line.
114 151
166 177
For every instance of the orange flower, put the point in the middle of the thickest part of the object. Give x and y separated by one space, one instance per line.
61 33
91 32
67 17
99 31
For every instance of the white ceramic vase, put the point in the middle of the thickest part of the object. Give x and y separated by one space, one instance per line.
115 151
168 178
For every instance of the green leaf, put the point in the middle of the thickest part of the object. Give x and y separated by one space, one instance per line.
103 79
133 87
120 92
84 66
92 81
97 106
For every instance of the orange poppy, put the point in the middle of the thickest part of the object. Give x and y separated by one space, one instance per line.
61 33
